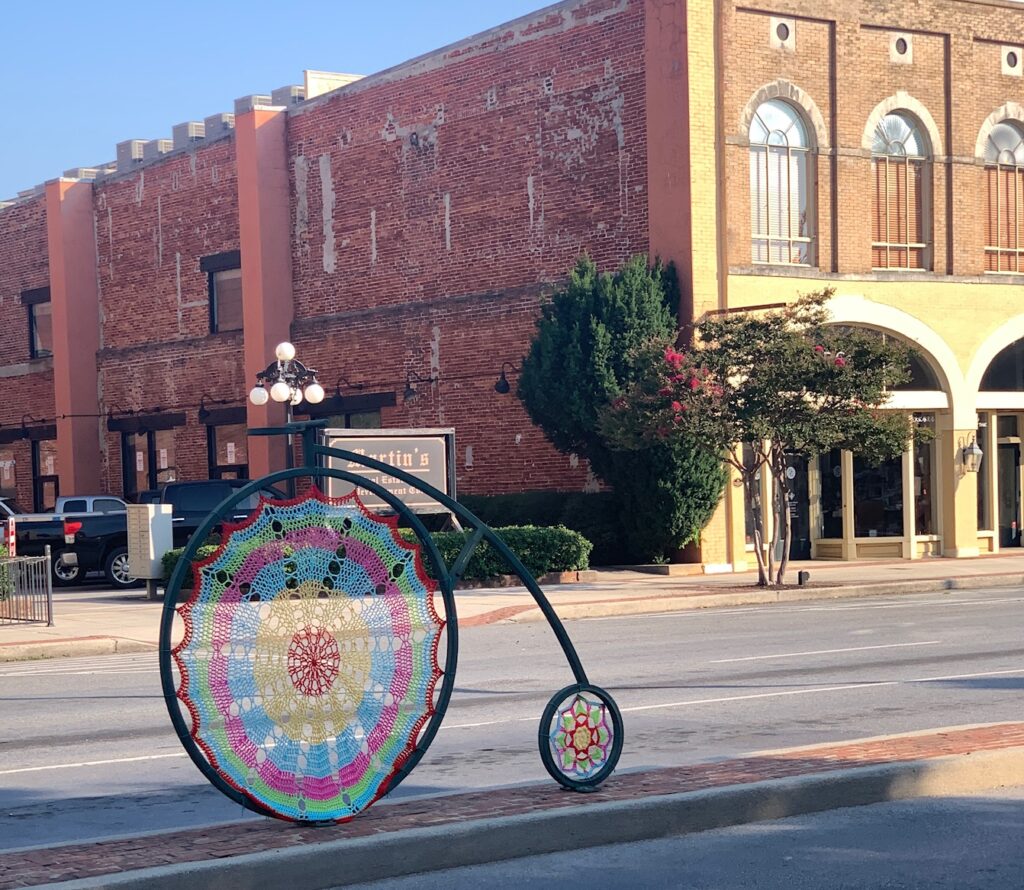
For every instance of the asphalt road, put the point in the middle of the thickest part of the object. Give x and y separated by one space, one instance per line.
87 751
967 843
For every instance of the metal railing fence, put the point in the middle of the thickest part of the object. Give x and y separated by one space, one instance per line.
26 590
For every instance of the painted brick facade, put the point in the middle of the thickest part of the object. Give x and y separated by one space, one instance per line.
152 229
27 383
450 194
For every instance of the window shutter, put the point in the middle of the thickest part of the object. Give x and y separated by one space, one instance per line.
758 204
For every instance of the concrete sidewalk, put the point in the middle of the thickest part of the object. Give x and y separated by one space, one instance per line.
427 834
94 622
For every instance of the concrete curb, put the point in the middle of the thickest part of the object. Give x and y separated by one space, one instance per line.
73 649
357 860
667 602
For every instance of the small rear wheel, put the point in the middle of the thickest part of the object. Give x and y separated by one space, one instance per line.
116 569
65 575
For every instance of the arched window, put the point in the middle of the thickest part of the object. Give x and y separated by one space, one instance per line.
901 207
780 189
1004 159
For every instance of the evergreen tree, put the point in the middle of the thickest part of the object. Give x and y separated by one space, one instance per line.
592 343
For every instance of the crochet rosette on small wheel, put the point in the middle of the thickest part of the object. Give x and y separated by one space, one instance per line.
309 657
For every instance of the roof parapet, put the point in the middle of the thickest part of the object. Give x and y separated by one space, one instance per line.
188 134
319 82
129 154
248 103
155 148
288 95
217 125
86 173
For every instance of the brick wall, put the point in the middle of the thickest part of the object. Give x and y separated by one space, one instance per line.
27 385
449 192
152 229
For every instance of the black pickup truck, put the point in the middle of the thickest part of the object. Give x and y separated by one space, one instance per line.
83 543
99 542
192 502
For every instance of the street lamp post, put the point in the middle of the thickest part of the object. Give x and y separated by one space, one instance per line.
287 380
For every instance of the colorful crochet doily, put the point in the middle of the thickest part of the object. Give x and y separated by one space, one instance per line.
309 658
581 736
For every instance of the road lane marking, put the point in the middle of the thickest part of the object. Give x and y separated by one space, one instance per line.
731 698
823 652
87 763
786 608
966 676
879 684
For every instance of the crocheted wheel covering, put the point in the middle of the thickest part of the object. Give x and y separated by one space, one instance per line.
309 657
581 736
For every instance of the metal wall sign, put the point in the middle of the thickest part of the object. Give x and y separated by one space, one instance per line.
427 454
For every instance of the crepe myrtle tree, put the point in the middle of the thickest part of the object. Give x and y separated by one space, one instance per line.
780 382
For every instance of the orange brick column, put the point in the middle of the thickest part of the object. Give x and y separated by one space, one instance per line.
670 219
76 333
264 214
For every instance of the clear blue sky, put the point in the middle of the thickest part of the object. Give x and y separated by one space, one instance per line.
80 78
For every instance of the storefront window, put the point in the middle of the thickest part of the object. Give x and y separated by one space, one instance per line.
985 522
45 486
878 498
166 469
925 481
830 467
8 477
228 451
137 453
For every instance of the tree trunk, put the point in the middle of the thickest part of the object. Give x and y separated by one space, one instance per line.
749 481
784 520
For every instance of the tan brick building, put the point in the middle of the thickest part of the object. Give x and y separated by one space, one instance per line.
403 227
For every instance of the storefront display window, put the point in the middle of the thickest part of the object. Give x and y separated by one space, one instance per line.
228 451
985 522
45 484
8 476
830 467
878 498
925 481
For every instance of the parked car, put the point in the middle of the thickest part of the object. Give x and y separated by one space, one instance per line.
90 503
9 507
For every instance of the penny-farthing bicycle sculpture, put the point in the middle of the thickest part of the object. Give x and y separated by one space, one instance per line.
306 681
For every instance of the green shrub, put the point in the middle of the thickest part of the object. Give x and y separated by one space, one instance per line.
171 557
542 550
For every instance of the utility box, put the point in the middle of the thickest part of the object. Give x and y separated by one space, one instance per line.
150 536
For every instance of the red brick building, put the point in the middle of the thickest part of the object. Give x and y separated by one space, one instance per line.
401 229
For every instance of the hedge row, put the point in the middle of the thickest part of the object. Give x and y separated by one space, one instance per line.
541 550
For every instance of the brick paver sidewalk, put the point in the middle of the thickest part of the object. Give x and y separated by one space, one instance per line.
107 857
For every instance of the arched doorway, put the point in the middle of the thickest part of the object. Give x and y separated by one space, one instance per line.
1001 426
892 509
